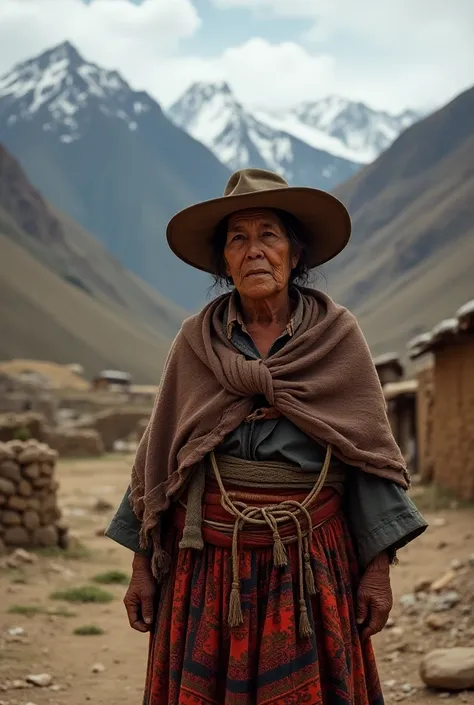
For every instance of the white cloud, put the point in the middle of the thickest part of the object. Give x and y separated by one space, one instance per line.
113 33
390 54
393 53
278 75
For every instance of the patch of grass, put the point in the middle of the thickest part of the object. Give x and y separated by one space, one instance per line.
112 577
87 593
26 610
434 499
61 612
19 580
88 630
76 551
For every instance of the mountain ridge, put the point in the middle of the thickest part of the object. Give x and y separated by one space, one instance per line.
240 139
64 298
333 125
411 256
83 136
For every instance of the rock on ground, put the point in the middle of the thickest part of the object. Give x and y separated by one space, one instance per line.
449 669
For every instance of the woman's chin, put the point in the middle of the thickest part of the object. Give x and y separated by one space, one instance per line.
258 289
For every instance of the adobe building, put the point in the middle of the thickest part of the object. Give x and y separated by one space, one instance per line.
401 398
389 368
449 427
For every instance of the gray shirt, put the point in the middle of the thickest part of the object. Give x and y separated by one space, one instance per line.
381 516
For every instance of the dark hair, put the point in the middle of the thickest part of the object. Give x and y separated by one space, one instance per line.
295 234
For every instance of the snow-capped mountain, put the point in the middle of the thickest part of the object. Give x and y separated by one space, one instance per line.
63 91
108 157
356 129
240 136
211 114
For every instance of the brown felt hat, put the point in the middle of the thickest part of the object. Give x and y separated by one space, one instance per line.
324 219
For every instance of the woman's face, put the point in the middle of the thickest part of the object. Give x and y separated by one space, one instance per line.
258 253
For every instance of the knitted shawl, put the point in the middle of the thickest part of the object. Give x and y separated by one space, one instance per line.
323 380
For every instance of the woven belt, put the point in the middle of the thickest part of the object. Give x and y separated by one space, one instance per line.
271 516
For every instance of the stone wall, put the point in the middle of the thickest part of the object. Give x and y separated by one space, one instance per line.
29 513
453 419
75 442
16 395
30 424
424 424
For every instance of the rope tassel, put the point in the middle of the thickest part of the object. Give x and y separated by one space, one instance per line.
305 627
235 607
308 570
280 557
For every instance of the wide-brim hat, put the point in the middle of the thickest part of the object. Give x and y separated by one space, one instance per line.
324 219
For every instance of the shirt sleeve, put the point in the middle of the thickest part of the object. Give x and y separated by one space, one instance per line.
381 515
125 526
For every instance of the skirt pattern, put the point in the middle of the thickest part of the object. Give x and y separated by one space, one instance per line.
196 659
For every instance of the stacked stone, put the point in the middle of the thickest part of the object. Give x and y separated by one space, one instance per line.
29 513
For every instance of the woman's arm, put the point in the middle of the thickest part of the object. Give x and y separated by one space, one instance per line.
382 519
374 596
139 599
381 515
124 528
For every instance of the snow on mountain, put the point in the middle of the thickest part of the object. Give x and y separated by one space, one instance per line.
211 114
355 130
110 158
60 89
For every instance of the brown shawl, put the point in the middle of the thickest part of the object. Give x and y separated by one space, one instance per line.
323 380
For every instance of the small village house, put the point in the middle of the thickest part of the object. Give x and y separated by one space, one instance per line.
400 395
143 393
389 368
401 398
112 381
451 435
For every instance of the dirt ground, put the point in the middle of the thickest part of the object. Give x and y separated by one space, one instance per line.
45 641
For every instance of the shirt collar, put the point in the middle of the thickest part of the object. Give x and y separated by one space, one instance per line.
234 315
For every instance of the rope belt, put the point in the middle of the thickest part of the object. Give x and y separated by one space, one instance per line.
271 516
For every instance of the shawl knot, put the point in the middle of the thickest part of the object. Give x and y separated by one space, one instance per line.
251 378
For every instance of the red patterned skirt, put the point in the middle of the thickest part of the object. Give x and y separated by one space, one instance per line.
195 658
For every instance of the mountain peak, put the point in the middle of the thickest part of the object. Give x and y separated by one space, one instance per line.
63 52
64 89
362 130
204 91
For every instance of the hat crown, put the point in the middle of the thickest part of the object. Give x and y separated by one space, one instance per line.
253 180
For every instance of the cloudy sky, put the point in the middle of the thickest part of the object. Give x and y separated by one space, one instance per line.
391 54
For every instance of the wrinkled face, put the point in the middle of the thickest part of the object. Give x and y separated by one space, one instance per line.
258 253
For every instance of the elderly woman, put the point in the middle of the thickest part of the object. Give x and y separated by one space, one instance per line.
268 496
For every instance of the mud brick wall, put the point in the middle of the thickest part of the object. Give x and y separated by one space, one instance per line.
453 419
29 513
424 424
75 443
115 424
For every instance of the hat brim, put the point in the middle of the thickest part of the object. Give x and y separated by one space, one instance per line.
325 221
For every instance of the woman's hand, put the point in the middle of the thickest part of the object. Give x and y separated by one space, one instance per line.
374 597
139 599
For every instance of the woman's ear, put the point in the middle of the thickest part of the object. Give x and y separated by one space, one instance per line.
295 257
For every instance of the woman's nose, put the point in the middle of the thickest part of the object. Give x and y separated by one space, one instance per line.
254 251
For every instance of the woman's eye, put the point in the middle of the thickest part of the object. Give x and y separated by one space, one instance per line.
268 233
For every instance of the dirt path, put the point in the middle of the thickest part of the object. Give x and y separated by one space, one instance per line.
49 645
